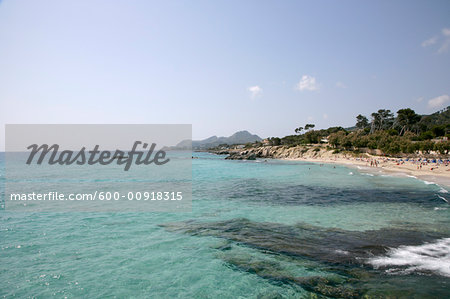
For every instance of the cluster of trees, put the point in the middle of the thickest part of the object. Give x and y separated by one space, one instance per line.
310 136
407 132
407 120
307 128
387 142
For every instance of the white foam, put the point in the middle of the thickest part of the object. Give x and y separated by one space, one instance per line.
429 183
369 174
443 190
441 197
350 173
343 252
439 209
434 257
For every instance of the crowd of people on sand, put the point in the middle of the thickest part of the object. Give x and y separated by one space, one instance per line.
418 162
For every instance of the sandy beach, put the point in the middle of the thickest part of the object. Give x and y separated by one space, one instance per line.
430 172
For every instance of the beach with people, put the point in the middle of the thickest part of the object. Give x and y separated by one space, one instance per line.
428 170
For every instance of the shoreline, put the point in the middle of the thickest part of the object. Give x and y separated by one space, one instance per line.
417 167
440 175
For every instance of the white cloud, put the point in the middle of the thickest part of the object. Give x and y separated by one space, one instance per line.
255 91
445 46
430 41
310 118
340 85
418 100
325 116
438 102
443 41
307 83
446 31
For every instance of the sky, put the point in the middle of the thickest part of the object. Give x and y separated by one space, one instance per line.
222 66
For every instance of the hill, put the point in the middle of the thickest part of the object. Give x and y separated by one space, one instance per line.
240 137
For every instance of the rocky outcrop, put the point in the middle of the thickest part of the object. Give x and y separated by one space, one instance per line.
276 152
245 155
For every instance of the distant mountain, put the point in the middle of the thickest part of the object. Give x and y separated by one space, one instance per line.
240 137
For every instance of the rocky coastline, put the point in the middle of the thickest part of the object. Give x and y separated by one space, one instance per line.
274 152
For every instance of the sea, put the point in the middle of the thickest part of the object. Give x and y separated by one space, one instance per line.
256 229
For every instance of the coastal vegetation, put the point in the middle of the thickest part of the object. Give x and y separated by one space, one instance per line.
406 132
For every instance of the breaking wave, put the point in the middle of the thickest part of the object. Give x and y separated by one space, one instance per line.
429 257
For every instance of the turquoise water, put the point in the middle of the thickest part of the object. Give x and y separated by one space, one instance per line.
258 229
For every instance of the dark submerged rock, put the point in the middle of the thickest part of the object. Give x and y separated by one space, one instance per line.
335 251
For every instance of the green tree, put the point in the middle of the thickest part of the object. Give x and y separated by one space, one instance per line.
381 120
309 126
274 141
426 146
438 130
407 119
298 130
443 147
336 139
312 137
362 122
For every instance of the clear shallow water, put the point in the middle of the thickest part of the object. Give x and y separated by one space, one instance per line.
258 230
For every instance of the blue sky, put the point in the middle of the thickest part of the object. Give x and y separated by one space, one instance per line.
223 66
